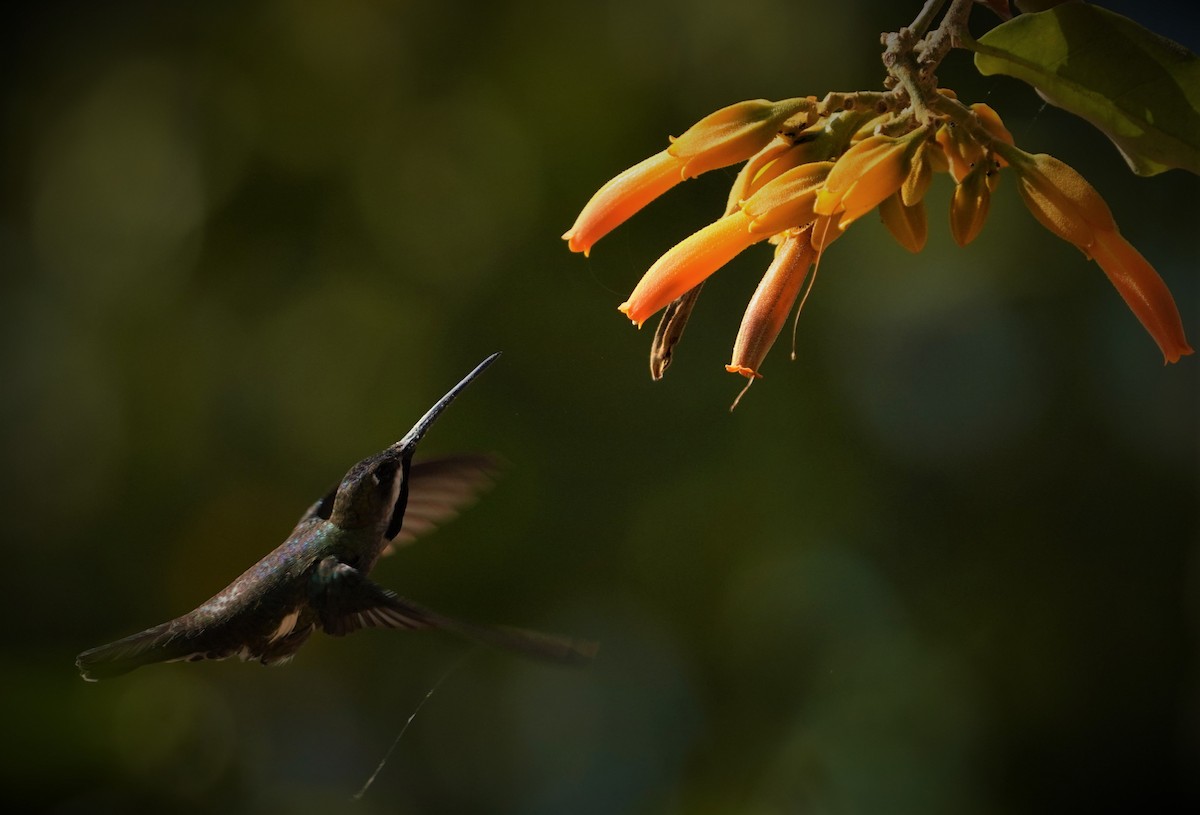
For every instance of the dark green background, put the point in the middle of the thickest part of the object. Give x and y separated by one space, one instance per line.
945 562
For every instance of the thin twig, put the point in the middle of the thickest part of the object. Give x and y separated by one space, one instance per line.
915 76
925 18
951 33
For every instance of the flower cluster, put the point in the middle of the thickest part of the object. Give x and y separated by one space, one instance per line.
813 168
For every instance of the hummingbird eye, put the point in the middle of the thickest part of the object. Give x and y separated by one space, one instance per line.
385 473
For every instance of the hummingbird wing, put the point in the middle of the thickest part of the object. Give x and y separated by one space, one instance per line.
350 602
346 601
438 490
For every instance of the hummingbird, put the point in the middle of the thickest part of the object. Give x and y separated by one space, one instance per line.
317 578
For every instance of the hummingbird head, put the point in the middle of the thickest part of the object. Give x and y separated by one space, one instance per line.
374 493
369 492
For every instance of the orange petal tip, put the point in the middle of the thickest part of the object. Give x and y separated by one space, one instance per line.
1185 351
624 309
749 373
575 245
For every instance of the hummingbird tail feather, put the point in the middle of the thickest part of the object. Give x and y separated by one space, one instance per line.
145 648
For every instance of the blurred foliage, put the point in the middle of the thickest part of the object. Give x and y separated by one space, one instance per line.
944 562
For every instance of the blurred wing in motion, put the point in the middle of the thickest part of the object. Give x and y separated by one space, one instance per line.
349 602
438 490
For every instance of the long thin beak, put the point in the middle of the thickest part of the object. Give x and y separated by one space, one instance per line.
408 444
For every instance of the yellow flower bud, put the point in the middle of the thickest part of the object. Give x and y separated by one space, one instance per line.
867 173
936 157
787 201
992 124
825 230
916 183
962 151
908 224
820 142
772 302
688 263
733 133
620 198
969 208
750 177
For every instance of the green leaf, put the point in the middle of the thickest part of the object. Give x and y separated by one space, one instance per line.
1140 89
1039 5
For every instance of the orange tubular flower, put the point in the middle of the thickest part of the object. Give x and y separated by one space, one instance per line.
621 197
813 168
689 263
733 134
1066 204
786 202
1143 291
762 167
1059 197
771 304
870 171
730 135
